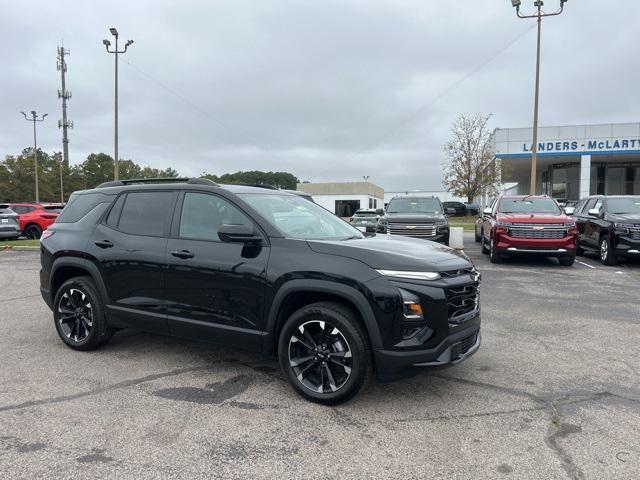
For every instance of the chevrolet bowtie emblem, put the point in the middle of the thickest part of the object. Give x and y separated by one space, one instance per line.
538 228
410 227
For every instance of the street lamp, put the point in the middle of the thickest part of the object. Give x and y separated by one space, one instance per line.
538 14
116 52
34 119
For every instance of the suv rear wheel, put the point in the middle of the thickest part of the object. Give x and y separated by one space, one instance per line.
324 353
78 314
607 253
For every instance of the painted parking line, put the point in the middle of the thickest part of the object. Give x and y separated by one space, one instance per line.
585 264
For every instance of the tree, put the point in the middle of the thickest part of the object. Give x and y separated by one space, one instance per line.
470 169
283 180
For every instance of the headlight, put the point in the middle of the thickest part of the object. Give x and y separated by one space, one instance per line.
622 227
570 224
410 275
411 307
441 221
504 224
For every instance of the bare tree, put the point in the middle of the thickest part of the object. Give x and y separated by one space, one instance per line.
470 169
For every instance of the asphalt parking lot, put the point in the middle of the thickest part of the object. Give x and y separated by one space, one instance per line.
553 393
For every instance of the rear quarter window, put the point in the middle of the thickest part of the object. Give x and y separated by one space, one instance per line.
81 204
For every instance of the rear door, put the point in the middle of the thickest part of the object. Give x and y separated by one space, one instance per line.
215 289
129 249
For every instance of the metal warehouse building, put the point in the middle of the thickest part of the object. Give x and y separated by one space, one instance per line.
573 161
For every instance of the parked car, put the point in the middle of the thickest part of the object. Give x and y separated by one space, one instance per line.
418 217
610 226
36 217
472 209
198 260
9 226
532 225
459 208
365 220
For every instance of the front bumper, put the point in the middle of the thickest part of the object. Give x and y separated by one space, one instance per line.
560 247
626 246
456 348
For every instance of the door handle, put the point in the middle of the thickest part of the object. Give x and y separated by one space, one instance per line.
104 243
184 254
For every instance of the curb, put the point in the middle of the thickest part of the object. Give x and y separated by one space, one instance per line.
19 248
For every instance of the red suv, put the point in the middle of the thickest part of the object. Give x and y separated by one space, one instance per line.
527 224
35 217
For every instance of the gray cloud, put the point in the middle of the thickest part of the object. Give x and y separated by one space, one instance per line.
324 89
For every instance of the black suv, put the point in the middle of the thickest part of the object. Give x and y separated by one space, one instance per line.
609 225
419 217
258 269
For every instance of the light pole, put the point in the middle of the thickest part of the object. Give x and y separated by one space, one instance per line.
116 52
34 118
538 15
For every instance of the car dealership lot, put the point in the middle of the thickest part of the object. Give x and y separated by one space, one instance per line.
554 392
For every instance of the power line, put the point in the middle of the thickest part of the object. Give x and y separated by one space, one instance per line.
202 111
418 112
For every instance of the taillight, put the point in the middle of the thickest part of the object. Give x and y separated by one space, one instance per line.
46 234
48 217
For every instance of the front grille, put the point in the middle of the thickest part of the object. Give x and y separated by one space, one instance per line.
462 301
467 343
424 230
457 273
531 230
634 232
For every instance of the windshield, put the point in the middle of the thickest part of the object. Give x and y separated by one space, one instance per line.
297 217
528 205
414 205
624 205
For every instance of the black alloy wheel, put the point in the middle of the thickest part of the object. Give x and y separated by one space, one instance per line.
33 232
75 315
320 356
79 315
324 352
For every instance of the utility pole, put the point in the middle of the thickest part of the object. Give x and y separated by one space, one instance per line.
34 119
65 124
538 15
116 52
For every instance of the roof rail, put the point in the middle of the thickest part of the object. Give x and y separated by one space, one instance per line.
134 181
257 185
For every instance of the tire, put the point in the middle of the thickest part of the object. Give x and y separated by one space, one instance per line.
494 256
33 231
607 253
476 236
483 244
335 373
84 327
567 261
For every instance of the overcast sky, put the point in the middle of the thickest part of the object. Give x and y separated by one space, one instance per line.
328 90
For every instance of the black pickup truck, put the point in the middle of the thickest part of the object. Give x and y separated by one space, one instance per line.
419 217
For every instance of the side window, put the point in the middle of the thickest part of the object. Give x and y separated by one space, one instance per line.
598 205
580 206
147 213
79 205
114 215
202 215
590 203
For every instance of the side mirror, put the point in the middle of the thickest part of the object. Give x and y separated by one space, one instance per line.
450 211
239 234
380 212
486 211
569 210
594 212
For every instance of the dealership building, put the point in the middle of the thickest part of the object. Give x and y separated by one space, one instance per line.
574 161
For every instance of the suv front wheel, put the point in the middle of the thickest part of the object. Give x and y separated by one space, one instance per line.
78 314
607 253
324 353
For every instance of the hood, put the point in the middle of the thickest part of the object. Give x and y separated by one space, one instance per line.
395 253
624 217
414 217
534 218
